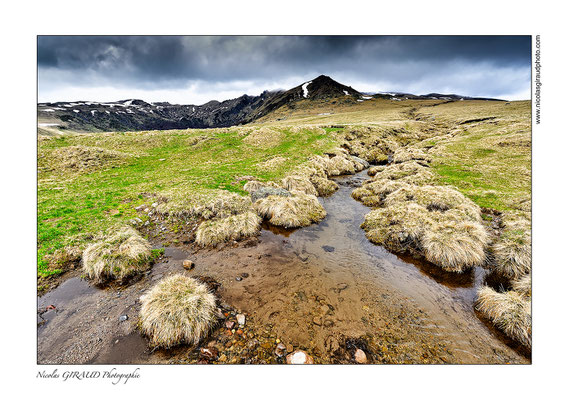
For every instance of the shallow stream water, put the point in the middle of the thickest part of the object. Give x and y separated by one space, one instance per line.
315 288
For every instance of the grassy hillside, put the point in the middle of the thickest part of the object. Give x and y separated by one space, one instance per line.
88 182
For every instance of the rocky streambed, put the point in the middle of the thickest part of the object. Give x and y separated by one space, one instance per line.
324 290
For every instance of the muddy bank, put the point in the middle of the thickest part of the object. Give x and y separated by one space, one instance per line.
324 289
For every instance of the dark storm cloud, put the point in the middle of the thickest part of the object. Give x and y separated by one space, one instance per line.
152 62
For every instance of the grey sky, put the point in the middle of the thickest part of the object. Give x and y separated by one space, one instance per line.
196 69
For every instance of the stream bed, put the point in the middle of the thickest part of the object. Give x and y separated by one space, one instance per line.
323 289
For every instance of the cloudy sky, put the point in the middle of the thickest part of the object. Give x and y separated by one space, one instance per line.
196 69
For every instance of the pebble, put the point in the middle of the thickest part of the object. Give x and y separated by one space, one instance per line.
280 350
238 279
188 264
154 205
222 358
123 318
229 324
208 353
299 357
241 319
317 321
328 249
360 356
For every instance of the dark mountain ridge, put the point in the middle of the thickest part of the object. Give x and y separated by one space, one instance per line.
135 114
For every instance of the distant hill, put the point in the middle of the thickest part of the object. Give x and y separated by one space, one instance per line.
133 114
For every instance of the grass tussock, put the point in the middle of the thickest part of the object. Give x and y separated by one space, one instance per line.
509 311
404 154
235 227
121 254
438 223
264 137
300 184
266 191
86 158
512 250
523 285
408 172
291 212
324 186
178 310
206 204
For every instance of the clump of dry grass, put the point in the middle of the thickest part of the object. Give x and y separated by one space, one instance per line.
178 310
436 222
300 184
235 227
291 212
436 198
118 255
324 186
83 158
268 191
253 185
207 204
398 229
272 163
404 154
510 312
512 250
409 172
373 193
455 245
523 285
264 137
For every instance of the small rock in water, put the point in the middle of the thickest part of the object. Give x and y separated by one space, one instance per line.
229 324
244 275
241 319
317 321
280 350
360 356
209 353
328 249
188 264
123 318
238 279
299 357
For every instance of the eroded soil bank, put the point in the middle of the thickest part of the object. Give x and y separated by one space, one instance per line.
323 289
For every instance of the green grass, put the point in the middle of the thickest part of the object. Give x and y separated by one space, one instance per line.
73 206
489 162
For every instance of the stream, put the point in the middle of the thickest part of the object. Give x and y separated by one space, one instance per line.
315 288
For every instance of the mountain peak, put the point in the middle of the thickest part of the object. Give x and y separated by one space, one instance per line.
323 87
